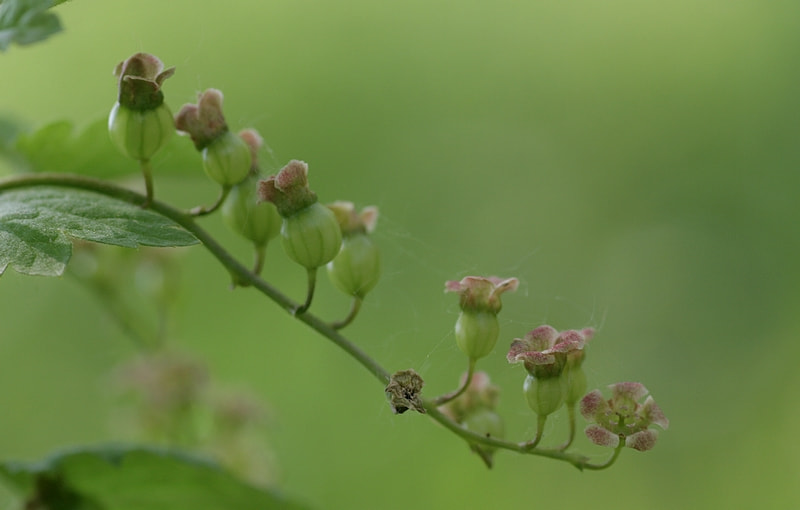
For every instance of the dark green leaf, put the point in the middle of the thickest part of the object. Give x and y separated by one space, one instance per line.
137 478
26 22
36 226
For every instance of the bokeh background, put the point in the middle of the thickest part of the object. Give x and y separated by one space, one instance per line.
634 163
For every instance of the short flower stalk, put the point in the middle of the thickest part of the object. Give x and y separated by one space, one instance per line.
227 158
140 123
477 328
356 268
310 232
555 378
258 222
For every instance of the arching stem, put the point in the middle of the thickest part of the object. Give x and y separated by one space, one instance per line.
354 308
447 397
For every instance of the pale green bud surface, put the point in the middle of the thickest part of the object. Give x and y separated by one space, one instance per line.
477 332
357 267
312 236
139 134
227 159
544 396
576 384
258 222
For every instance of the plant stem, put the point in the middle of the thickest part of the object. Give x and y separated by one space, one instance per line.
186 221
147 171
447 397
579 461
260 255
354 308
540 421
202 210
241 273
609 462
312 284
571 438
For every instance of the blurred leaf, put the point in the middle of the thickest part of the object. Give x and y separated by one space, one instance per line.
26 22
57 148
135 478
35 226
54 148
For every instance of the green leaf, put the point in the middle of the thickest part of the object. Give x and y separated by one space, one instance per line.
36 226
135 478
57 147
26 22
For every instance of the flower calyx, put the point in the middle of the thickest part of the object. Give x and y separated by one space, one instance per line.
545 352
288 189
478 293
227 158
204 121
139 81
623 418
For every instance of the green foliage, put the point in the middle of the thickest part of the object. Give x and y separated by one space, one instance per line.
57 147
27 21
36 224
118 478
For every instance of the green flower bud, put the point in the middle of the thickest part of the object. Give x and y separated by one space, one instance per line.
477 333
310 233
311 237
258 222
544 396
575 381
485 422
227 159
356 269
139 134
140 123
477 328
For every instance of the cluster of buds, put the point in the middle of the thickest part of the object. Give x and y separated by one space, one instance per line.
555 377
336 236
475 410
256 221
312 234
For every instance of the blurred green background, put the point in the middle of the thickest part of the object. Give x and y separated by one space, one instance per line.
635 164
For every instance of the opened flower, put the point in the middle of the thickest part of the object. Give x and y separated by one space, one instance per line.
544 351
622 418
